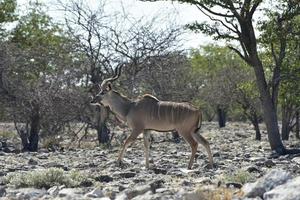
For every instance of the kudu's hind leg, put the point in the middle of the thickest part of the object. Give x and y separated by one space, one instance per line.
146 135
194 145
199 138
129 140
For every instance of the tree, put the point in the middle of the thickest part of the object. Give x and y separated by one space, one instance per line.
224 73
7 14
209 63
34 75
90 29
235 22
280 39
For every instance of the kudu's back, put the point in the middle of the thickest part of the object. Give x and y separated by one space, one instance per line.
150 113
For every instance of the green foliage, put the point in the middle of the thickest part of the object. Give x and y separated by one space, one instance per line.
46 178
212 58
281 40
42 42
227 80
37 29
7 14
7 10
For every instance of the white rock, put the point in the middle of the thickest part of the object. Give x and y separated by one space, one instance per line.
296 160
71 192
96 193
266 183
53 191
287 191
147 196
30 193
121 196
191 196
139 190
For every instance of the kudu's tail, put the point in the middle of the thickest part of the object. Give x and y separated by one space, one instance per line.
201 140
199 122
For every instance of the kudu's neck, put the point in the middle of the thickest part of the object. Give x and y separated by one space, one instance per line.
120 105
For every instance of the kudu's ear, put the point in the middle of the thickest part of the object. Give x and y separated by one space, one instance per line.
109 86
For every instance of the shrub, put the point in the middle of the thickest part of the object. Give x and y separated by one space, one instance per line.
46 178
239 176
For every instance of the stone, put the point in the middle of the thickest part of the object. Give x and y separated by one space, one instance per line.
234 185
122 196
70 192
104 178
54 164
147 196
296 160
269 163
139 190
30 193
204 192
95 193
159 170
127 174
154 185
53 191
31 161
266 183
288 191
257 159
251 169
121 188
86 183
2 191
217 154
191 196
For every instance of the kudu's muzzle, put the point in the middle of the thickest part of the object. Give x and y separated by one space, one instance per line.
95 99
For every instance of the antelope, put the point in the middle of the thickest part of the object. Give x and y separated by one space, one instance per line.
149 113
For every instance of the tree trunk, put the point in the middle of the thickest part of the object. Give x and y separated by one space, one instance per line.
102 130
33 139
221 116
103 134
175 136
297 124
269 111
24 139
285 129
255 123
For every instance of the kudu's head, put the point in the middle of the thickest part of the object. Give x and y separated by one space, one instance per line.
105 89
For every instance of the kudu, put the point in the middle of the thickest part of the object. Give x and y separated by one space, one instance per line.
148 113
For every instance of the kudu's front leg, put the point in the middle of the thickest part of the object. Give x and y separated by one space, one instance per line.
131 138
146 146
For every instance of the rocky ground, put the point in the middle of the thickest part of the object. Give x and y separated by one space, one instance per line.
238 160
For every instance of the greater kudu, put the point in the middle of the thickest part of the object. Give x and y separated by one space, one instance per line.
148 113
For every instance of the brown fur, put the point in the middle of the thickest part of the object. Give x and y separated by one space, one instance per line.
149 113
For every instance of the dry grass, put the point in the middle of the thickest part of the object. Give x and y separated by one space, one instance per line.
210 193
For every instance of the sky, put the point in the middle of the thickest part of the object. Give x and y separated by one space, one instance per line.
181 13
